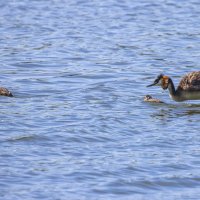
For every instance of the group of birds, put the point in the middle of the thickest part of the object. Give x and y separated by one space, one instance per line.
188 88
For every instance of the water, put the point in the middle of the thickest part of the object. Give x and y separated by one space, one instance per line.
78 127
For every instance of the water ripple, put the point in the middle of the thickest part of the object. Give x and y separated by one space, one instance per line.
77 127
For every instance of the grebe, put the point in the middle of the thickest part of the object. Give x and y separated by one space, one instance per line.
188 88
149 98
5 92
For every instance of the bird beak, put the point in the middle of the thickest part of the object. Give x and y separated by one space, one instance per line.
151 85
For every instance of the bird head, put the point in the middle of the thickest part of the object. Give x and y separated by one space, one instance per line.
147 97
162 81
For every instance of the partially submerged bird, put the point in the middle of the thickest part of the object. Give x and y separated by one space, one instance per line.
188 88
149 98
5 92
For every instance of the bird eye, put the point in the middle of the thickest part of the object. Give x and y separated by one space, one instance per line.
160 76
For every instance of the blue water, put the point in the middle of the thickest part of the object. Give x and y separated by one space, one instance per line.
77 127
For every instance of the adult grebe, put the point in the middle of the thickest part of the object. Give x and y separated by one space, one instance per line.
5 92
188 88
149 98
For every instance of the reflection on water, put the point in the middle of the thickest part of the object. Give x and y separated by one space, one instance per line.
170 111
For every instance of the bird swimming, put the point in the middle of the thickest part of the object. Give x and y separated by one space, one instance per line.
5 92
188 88
149 98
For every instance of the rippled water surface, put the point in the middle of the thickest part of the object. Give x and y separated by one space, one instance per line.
77 127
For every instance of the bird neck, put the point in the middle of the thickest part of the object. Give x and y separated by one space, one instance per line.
171 88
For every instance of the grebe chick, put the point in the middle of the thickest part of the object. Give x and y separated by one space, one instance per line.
5 92
188 88
149 98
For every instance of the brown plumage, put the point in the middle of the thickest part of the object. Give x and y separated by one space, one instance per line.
188 88
149 98
5 92
190 82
